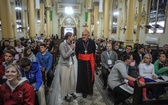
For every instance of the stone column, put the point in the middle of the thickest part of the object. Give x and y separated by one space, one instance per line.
41 17
130 23
119 23
96 15
106 18
13 21
138 21
6 19
0 11
48 27
31 18
89 19
24 17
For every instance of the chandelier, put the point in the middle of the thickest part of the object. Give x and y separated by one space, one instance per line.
69 10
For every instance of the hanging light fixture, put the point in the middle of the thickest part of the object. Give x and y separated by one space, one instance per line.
69 10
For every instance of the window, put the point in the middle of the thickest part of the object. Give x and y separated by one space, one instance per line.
115 14
157 16
18 9
38 16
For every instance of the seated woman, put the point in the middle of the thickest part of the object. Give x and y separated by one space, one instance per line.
16 90
117 76
161 65
146 70
29 54
134 72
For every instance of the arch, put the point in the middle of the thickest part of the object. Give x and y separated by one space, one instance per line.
69 21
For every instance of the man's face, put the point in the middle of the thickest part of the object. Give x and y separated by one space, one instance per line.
128 49
130 60
32 45
165 48
42 49
8 57
85 35
141 50
6 43
109 47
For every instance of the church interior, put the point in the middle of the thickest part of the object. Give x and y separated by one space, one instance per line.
121 20
128 22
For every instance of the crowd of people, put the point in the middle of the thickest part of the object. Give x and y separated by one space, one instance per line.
25 71
26 68
140 64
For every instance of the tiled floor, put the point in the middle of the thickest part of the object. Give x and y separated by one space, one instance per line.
96 99
54 98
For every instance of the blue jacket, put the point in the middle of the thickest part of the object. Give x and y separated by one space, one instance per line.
34 75
45 60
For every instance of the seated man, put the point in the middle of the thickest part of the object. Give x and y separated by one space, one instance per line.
32 71
108 59
45 59
117 76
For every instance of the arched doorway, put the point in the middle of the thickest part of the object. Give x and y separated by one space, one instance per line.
68 25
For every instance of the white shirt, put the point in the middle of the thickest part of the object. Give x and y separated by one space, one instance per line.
70 58
146 71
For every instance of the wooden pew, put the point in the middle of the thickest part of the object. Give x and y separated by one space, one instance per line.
56 52
97 61
137 97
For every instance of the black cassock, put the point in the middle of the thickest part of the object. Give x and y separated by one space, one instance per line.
84 77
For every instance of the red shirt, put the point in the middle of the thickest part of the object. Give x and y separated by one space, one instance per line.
23 94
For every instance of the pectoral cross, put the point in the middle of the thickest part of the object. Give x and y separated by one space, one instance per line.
85 51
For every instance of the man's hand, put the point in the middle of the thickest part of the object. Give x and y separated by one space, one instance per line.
43 69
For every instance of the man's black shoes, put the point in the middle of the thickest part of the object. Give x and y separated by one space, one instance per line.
73 95
84 95
104 87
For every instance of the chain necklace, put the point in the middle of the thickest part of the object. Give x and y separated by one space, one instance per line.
85 46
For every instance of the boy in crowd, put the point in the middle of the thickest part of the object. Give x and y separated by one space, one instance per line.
32 71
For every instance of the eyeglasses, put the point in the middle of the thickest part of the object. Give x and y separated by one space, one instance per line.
129 48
